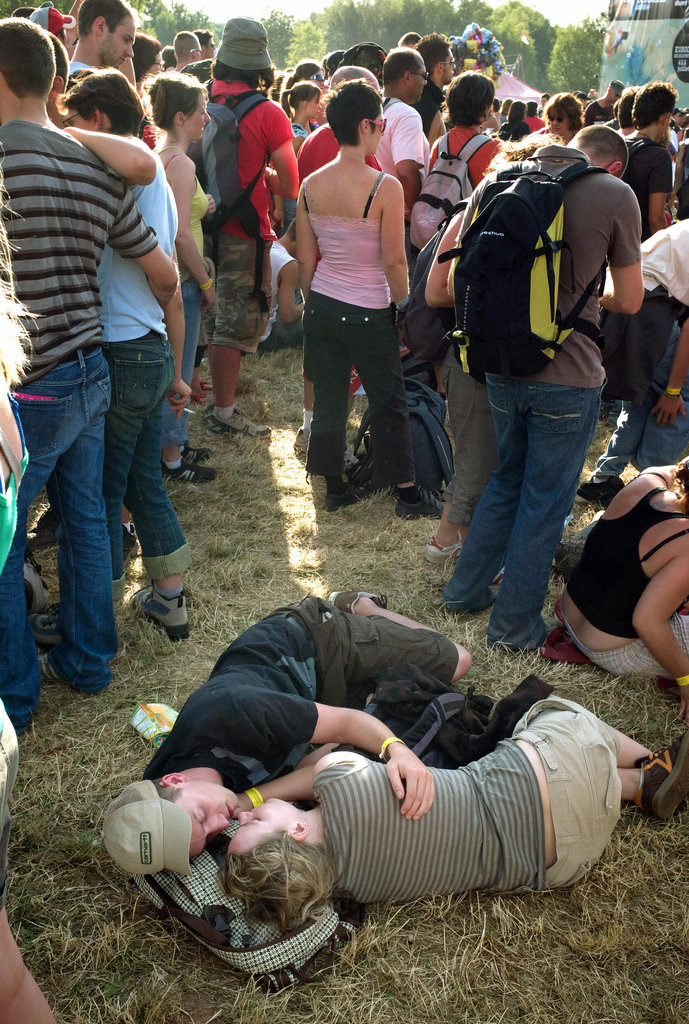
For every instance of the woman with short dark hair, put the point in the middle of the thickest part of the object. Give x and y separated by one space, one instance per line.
354 216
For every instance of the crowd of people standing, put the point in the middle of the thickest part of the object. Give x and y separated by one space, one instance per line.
119 292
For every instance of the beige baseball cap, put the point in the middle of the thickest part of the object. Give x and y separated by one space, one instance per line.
144 834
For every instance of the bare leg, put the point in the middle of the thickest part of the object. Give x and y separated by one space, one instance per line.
225 363
364 606
170 582
448 533
629 753
20 997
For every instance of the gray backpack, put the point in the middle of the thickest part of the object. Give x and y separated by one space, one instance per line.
445 185
277 958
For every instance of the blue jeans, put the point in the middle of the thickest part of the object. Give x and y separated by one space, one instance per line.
543 432
62 415
639 439
173 430
141 374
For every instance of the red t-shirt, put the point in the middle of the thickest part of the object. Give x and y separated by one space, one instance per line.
320 149
478 164
263 130
535 123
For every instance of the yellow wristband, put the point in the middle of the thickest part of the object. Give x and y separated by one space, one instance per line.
682 680
254 796
673 392
209 284
386 744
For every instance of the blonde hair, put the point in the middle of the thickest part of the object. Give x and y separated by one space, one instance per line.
515 152
13 355
681 487
281 881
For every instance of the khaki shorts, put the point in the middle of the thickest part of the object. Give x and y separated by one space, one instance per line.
9 759
241 317
579 755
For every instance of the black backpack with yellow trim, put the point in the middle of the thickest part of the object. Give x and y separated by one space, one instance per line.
506 274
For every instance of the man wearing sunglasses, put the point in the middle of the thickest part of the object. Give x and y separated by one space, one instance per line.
404 150
440 65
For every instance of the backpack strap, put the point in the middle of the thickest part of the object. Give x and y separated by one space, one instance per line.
12 460
472 144
372 196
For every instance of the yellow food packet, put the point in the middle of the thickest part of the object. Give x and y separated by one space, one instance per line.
154 721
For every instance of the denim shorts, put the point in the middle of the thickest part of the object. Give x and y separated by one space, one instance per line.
9 759
579 756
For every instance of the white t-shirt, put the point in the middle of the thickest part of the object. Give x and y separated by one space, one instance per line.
279 258
664 261
403 139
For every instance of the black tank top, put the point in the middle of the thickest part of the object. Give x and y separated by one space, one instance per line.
609 580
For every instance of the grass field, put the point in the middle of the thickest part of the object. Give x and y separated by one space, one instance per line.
615 948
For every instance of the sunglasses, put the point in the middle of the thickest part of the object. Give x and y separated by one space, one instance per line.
381 124
557 120
421 74
317 78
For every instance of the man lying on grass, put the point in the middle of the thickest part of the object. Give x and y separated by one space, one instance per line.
291 680
536 812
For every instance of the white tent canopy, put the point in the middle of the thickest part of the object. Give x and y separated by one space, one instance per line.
512 88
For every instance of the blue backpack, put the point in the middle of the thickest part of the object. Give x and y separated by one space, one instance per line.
431 448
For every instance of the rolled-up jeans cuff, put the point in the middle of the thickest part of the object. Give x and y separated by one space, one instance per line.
159 567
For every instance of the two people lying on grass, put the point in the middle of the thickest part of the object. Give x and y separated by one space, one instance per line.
622 601
537 812
296 678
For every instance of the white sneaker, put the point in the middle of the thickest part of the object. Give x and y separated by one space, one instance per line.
438 554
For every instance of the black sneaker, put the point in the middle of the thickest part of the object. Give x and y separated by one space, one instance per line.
427 507
601 492
348 497
195 455
664 779
190 473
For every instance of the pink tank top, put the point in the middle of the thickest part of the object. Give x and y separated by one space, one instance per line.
351 264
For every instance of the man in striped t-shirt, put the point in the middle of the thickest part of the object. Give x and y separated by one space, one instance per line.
62 206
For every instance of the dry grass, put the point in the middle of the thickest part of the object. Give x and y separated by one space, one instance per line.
613 949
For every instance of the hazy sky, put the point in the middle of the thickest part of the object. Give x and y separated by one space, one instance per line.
557 11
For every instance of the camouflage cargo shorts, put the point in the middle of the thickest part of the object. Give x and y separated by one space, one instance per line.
241 316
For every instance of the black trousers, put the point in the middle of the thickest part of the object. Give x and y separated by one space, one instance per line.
338 335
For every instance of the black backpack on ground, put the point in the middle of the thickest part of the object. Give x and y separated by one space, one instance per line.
431 448
506 274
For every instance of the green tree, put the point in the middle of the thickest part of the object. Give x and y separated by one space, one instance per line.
279 27
576 57
508 23
165 22
307 41
346 22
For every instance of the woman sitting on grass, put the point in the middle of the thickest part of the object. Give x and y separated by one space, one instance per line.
538 811
622 601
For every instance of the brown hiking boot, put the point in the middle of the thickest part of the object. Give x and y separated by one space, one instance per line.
665 779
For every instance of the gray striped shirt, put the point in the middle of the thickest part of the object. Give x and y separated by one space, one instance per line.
63 204
484 831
